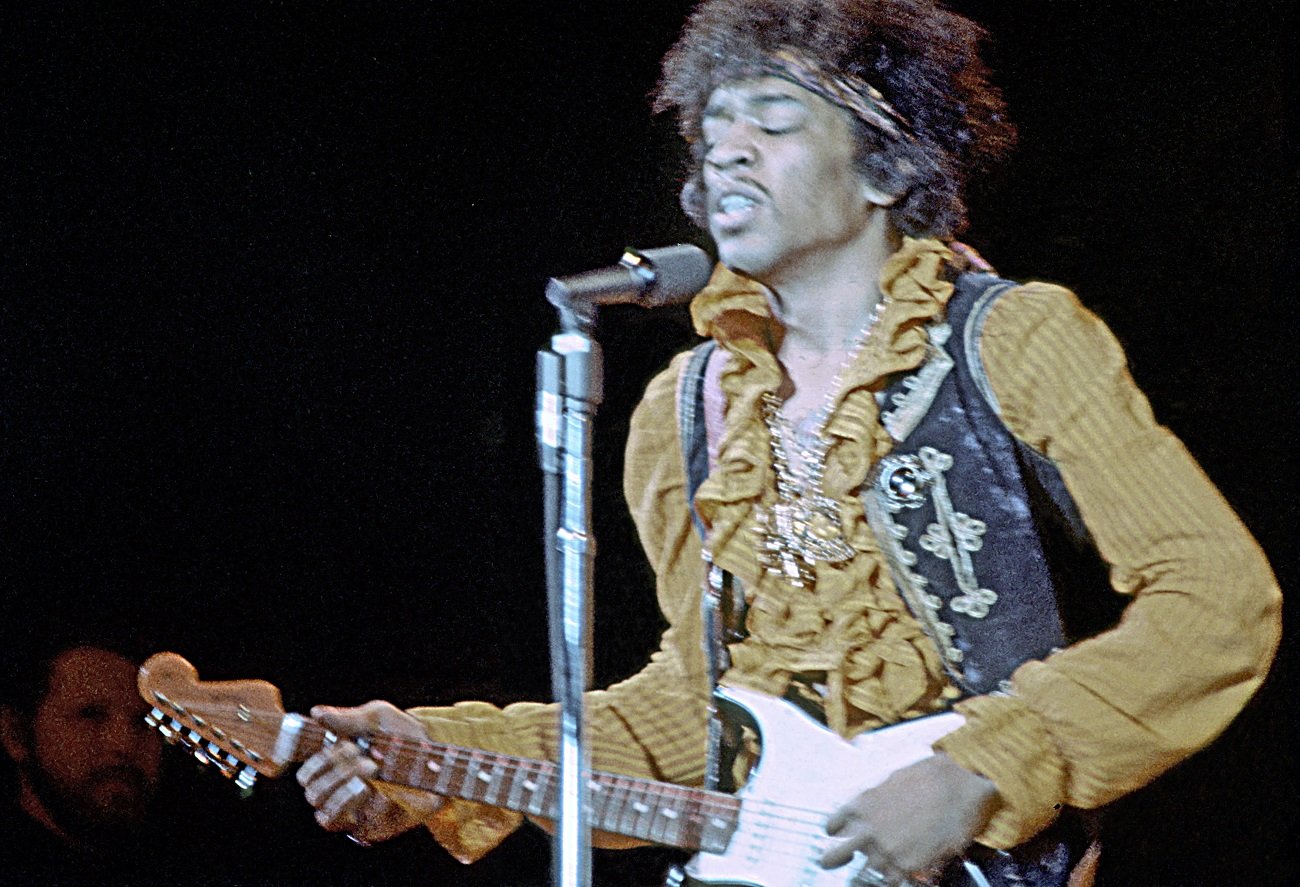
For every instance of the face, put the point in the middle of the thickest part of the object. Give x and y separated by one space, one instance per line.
92 756
780 183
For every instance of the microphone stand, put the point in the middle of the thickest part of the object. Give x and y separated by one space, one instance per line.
569 389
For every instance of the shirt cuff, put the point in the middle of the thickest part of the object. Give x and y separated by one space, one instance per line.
1004 741
468 830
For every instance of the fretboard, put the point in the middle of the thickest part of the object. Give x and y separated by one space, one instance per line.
658 812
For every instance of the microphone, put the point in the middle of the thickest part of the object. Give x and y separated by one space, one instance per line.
667 275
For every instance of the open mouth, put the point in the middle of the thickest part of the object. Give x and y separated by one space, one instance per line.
732 210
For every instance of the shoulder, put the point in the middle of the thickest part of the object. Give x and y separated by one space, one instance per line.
1048 360
654 450
656 413
1036 322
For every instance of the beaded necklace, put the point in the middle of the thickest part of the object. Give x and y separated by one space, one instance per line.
803 527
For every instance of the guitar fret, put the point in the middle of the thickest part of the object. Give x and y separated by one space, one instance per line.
497 782
614 802
657 824
601 798
445 772
518 779
430 771
417 762
628 817
541 784
692 821
638 811
472 786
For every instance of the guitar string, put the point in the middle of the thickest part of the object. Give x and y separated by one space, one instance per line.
787 840
707 803
791 824
510 765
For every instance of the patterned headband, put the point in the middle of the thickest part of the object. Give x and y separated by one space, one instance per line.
849 92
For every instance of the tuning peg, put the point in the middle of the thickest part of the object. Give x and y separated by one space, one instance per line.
168 731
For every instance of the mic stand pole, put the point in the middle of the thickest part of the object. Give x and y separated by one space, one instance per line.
569 389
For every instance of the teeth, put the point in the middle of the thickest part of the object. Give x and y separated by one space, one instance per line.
729 203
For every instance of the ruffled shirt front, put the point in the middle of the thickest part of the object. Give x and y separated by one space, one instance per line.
849 635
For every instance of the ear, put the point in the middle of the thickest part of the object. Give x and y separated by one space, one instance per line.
877 196
13 734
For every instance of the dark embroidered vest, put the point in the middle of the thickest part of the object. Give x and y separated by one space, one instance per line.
982 539
953 511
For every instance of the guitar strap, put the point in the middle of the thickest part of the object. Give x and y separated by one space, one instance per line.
698 429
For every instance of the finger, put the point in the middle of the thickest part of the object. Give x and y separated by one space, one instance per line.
350 721
333 779
840 853
840 820
340 811
856 839
313 766
334 757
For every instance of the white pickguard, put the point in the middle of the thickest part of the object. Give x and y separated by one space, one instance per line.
805 774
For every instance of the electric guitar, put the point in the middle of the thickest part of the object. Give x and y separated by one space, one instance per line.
770 834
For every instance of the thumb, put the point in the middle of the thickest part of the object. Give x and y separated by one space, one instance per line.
349 721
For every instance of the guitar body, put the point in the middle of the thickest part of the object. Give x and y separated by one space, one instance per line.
805 773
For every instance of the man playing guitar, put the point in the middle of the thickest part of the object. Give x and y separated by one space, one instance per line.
869 372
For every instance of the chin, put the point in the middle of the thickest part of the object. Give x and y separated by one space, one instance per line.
749 262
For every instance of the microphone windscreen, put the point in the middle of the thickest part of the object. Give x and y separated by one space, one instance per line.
680 272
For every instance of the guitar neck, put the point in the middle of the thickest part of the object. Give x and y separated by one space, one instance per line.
658 812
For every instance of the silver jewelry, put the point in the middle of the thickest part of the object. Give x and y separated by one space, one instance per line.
803 527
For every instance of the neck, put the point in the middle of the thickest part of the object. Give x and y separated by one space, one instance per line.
824 302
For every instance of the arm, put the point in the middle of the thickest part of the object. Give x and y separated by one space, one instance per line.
1111 713
651 725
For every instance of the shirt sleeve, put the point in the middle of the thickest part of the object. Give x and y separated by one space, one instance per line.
1110 713
652 725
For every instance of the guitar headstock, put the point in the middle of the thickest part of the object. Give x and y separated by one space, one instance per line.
232 725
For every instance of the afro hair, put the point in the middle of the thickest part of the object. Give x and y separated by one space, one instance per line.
922 57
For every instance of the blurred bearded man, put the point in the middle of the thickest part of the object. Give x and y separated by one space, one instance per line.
87 769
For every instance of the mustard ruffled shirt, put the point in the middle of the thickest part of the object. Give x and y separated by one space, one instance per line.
1081 728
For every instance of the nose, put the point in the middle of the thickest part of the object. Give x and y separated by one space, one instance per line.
121 734
735 147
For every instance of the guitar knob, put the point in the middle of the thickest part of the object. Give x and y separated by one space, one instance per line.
676 876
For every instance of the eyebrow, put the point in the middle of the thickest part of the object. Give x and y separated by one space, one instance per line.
761 100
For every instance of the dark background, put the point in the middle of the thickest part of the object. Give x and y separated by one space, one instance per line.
272 280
